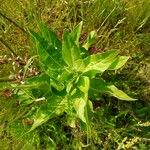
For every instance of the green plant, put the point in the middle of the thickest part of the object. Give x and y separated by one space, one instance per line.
69 77
131 36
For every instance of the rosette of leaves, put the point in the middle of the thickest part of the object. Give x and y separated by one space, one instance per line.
68 77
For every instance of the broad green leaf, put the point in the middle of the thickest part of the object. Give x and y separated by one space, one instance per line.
100 86
83 111
97 86
91 39
71 53
37 40
49 36
100 62
75 34
66 76
54 107
78 94
57 85
79 105
71 82
83 84
40 117
80 98
34 88
114 91
118 62
39 85
52 59
49 55
38 80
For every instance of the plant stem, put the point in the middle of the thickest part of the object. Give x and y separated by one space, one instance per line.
7 79
11 50
14 23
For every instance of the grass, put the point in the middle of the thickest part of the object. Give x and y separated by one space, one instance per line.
123 25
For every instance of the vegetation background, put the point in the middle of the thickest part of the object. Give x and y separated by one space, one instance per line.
120 24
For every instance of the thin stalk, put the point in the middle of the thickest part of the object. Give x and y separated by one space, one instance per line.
14 23
7 79
11 50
